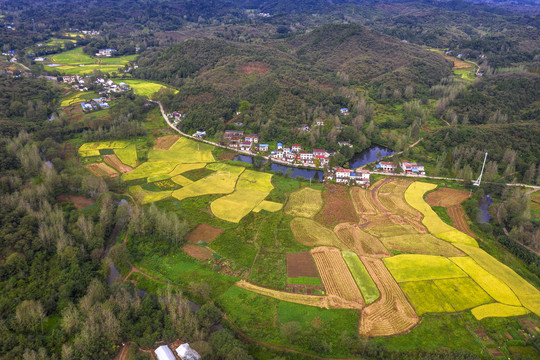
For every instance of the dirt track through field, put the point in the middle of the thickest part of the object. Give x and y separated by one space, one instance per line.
115 162
390 315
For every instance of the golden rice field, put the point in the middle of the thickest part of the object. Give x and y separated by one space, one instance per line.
408 267
269 206
497 310
184 151
146 197
306 202
311 300
360 199
150 168
92 148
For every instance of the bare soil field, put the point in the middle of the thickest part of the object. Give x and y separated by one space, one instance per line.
255 67
360 242
165 142
101 169
301 264
338 206
446 197
390 315
204 233
80 202
115 162
459 219
336 276
196 251
360 199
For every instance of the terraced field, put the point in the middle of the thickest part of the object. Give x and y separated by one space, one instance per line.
360 199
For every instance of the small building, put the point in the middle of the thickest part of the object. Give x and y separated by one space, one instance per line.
185 352
304 127
343 175
305 156
386 166
296 148
320 152
245 145
164 353
106 52
279 146
344 111
229 134
199 134
320 122
412 168
290 156
263 147
254 138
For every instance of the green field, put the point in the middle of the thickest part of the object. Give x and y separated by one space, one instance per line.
142 87
462 293
73 57
77 97
361 277
59 42
305 202
127 155
302 280
421 267
426 297
76 62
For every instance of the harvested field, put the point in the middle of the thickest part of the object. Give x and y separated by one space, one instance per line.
493 286
497 310
359 242
387 229
361 277
391 196
305 202
203 233
311 233
269 206
101 169
301 264
425 244
391 314
335 275
196 251
447 197
338 207
459 219
422 267
115 162
311 300
79 202
527 294
360 199
165 142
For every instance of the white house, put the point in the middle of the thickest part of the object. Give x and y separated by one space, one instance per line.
320 122
164 353
344 111
279 145
320 152
386 166
254 138
106 52
362 177
296 148
305 156
263 147
413 168
185 352
245 145
344 143
199 134
290 156
343 175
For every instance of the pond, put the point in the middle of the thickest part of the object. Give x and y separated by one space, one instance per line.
370 155
483 205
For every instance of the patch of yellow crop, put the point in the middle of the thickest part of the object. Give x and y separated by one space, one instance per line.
456 236
146 197
493 286
150 168
269 206
497 310
181 180
184 151
223 181
305 202
182 168
409 267
92 148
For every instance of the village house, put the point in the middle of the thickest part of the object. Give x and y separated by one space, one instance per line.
253 138
304 128
412 168
286 149
346 176
279 145
320 152
229 134
106 52
70 79
199 134
306 157
263 147
386 166
245 145
344 111
185 352
320 122
290 156
343 175
296 148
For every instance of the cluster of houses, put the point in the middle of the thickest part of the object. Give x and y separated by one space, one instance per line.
295 155
106 52
95 104
404 166
350 176
235 139
110 86
178 116
184 352
76 81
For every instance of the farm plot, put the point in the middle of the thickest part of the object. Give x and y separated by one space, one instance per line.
459 219
361 203
390 194
127 155
223 181
447 197
311 233
338 207
165 142
527 294
424 244
114 161
251 189
408 267
386 228
361 277
92 148
73 57
426 297
80 202
414 196
493 286
305 202
144 87
311 300
101 169
269 206
358 241
198 252
497 310
146 196
301 265
182 168
150 168
203 233
336 277
462 293
184 151
390 315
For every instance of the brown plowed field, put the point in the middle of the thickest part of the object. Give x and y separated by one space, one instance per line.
360 199
338 206
336 276
165 142
391 196
101 169
459 218
204 233
390 315
446 197
80 202
196 251
301 264
255 67
359 241
115 162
